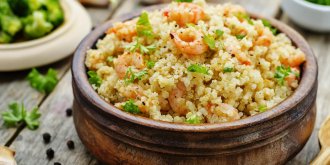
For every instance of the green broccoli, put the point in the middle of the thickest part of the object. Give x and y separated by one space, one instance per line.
36 25
5 8
4 37
54 12
10 24
23 8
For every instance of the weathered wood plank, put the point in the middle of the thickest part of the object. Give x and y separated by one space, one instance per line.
320 44
29 145
15 87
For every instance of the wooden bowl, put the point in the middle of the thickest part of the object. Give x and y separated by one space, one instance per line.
116 137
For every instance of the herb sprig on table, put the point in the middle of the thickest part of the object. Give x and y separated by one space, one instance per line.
43 83
18 114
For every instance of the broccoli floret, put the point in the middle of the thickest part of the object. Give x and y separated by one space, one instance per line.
23 8
5 8
36 25
10 24
4 37
54 10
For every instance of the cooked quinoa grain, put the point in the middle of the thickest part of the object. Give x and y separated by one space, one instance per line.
194 63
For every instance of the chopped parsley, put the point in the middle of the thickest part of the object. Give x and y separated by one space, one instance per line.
198 69
182 0
110 59
219 33
228 69
281 73
143 26
17 114
240 36
136 45
210 41
271 28
193 119
150 64
244 16
94 79
262 108
130 76
130 107
43 83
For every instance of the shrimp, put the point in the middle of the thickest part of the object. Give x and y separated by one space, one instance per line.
232 10
294 60
265 37
292 79
123 62
124 31
176 100
183 13
190 42
224 110
233 48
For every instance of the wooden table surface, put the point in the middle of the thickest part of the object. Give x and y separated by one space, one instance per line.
29 146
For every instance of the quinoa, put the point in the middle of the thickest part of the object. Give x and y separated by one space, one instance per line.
240 74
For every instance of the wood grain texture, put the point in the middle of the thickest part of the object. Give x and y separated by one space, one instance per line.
15 87
320 44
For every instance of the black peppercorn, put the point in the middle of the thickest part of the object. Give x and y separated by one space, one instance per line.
57 163
50 153
68 112
46 136
70 144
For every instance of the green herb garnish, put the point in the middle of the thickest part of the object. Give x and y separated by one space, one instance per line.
240 36
228 69
17 114
143 26
110 59
136 45
182 0
210 41
281 73
193 119
94 79
198 69
271 28
43 83
262 108
150 64
130 107
130 76
245 16
219 33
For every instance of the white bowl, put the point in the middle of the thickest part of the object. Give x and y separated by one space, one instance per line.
308 15
55 46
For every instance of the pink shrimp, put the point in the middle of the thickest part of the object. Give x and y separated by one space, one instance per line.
176 100
124 31
123 62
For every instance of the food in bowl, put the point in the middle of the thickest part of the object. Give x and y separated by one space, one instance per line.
22 20
194 63
320 2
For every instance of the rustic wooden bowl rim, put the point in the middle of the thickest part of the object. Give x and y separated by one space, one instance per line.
308 78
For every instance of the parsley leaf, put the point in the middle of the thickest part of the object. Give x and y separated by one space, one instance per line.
136 45
271 28
262 108
17 114
43 83
228 69
143 26
245 16
94 79
240 36
130 76
219 33
210 41
130 107
281 73
198 69
150 64
110 59
193 119
182 0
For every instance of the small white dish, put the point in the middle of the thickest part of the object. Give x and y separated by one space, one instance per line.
55 46
308 15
